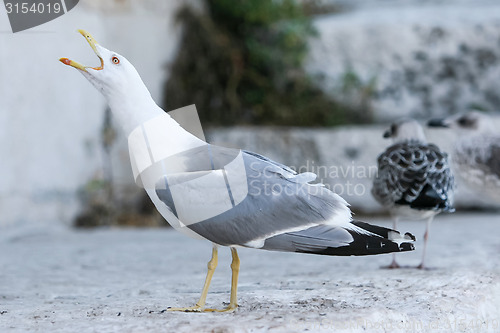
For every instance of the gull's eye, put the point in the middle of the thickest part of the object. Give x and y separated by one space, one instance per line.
115 60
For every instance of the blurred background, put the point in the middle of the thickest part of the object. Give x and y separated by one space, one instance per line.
312 84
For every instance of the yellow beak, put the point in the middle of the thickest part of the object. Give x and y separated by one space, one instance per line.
92 42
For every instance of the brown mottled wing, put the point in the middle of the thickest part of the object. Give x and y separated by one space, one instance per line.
414 174
493 161
481 153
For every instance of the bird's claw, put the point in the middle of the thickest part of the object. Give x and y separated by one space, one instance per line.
393 265
195 308
229 309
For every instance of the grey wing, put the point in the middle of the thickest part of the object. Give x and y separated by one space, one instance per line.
414 174
285 169
278 211
275 202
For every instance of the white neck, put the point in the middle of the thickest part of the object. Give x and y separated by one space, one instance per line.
133 107
410 131
154 140
405 138
132 111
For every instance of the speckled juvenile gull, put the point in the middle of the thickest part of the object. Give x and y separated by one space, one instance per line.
414 179
230 197
476 156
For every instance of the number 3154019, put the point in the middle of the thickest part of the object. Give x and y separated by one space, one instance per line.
34 8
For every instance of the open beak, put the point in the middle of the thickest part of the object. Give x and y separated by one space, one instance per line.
92 42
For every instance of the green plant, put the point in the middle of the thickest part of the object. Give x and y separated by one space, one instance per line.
241 62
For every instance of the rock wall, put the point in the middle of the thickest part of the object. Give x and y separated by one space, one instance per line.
411 58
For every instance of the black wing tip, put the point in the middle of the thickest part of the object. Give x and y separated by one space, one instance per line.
365 244
384 246
406 247
382 231
382 240
410 236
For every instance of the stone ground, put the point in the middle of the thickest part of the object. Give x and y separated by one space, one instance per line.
122 280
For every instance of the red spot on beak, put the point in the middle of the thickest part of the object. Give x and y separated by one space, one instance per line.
65 61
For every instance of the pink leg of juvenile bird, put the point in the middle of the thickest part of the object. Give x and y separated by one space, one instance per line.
426 237
394 264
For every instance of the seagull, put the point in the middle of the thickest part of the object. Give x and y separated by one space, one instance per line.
476 154
414 179
230 197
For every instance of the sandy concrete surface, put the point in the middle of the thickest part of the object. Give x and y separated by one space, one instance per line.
122 280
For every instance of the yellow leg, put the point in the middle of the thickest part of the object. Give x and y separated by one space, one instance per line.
235 269
233 300
212 264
